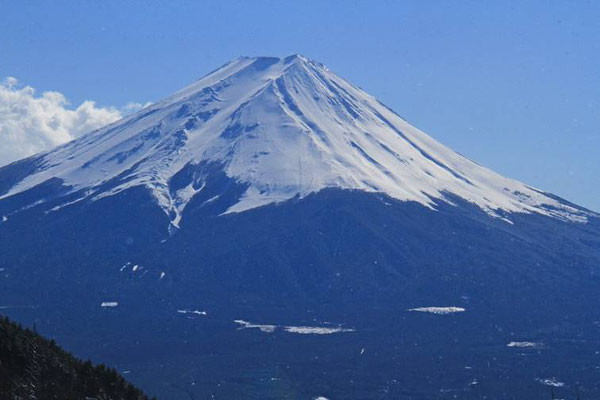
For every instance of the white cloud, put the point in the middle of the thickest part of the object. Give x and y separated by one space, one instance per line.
132 107
31 123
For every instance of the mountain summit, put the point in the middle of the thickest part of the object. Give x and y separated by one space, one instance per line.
284 128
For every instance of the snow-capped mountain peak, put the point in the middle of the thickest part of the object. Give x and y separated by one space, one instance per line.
285 127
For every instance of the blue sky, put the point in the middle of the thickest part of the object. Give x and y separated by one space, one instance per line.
512 85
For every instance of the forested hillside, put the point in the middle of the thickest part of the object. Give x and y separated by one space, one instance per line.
32 367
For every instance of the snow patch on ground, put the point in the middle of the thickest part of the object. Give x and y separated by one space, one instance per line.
438 310
531 345
196 312
302 330
550 382
315 330
249 325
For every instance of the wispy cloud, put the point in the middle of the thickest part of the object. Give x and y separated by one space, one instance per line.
30 123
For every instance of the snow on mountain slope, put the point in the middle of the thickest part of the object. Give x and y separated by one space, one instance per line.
285 127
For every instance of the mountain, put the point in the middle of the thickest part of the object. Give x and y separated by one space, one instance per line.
32 367
272 231
283 128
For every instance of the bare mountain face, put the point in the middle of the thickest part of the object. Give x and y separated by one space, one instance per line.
272 231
